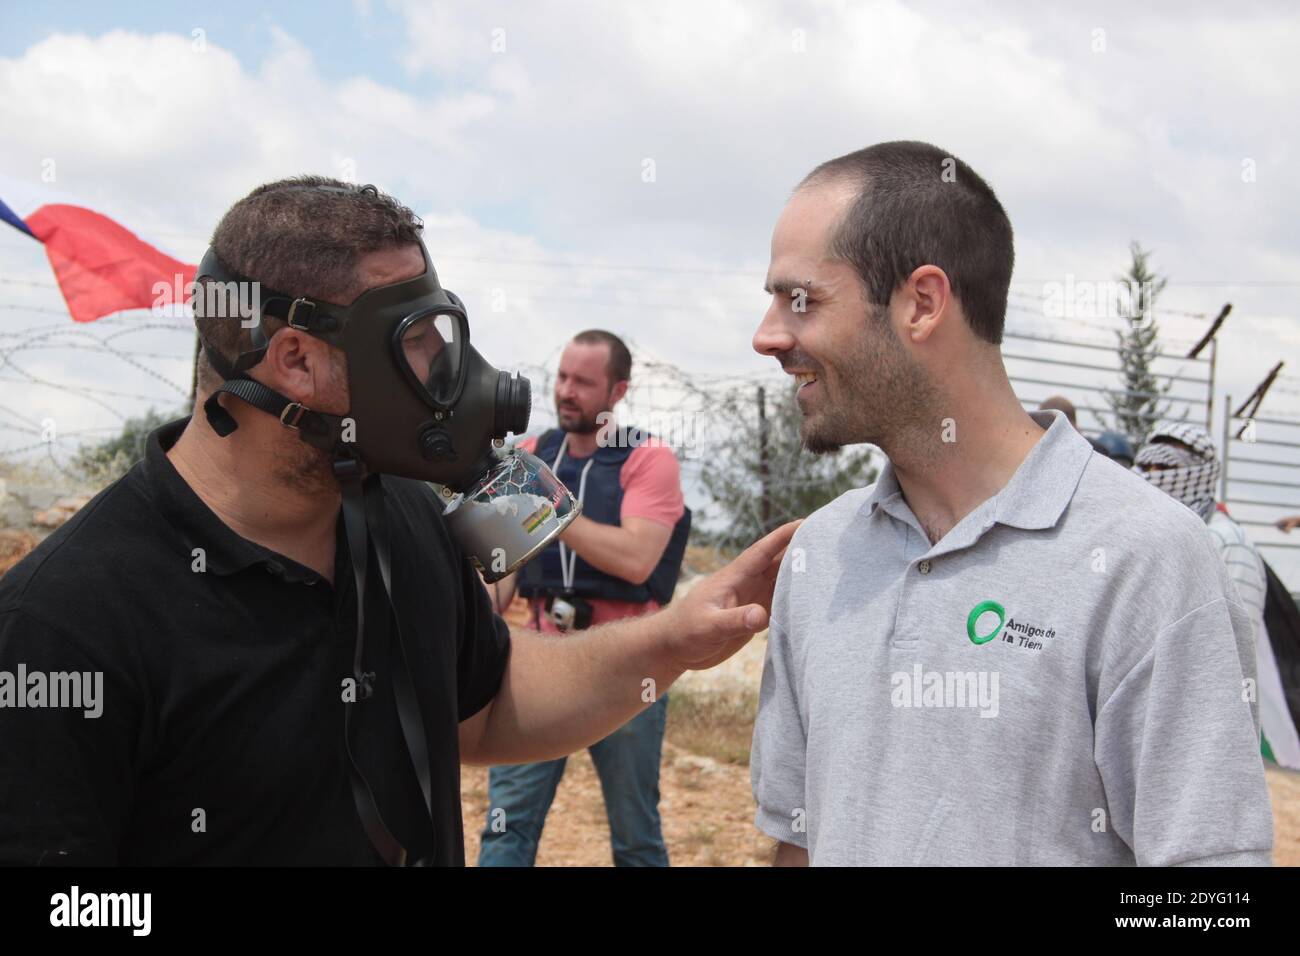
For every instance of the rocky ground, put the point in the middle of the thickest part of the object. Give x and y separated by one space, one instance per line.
35 500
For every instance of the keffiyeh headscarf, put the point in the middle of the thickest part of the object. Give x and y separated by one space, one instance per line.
1189 474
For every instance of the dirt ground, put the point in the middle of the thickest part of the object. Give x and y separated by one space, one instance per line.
708 815
706 803
1284 788
706 808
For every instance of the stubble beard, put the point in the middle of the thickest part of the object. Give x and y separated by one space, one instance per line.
306 467
878 394
583 426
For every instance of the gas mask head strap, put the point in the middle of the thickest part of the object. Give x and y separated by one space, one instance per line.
298 313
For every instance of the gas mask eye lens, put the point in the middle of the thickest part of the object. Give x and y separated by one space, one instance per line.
422 343
431 345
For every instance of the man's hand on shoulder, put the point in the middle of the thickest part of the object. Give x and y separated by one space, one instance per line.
722 612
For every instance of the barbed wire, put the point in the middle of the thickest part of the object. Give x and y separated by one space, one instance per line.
100 344
1157 310
638 294
663 391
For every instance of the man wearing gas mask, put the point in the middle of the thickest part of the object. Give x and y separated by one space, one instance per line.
619 559
289 650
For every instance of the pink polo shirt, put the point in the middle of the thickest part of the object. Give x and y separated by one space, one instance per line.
652 489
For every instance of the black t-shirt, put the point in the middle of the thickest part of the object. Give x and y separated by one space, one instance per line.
220 737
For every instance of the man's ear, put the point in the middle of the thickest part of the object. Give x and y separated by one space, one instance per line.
928 296
617 392
296 365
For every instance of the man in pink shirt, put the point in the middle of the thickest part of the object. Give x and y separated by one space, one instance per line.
619 558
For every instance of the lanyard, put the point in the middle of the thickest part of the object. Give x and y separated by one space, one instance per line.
569 562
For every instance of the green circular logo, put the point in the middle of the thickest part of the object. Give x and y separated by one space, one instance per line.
975 613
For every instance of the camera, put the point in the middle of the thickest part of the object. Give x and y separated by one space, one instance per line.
569 612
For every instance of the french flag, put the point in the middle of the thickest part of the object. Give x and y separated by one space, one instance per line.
102 267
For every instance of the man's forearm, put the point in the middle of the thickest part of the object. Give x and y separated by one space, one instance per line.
561 693
609 548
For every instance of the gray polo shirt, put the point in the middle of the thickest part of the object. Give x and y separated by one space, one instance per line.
1066 678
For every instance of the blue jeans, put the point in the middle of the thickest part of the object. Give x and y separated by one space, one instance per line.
627 761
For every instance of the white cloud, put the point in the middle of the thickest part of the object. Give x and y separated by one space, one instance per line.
531 144
1087 150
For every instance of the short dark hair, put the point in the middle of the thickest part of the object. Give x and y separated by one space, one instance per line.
1061 404
303 236
917 205
620 359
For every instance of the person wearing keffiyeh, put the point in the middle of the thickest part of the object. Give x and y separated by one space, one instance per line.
1179 459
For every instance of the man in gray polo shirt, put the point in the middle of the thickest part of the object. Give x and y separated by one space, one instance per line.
1009 650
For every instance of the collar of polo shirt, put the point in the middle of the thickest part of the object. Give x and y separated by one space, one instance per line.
1037 493
224 552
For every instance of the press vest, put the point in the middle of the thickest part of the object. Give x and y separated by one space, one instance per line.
602 501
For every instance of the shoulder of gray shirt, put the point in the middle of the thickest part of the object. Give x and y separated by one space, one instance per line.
1162 559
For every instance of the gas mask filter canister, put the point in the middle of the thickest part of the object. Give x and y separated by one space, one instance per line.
511 514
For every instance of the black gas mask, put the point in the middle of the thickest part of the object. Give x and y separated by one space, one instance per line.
423 404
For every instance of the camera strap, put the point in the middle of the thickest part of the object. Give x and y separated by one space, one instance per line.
569 560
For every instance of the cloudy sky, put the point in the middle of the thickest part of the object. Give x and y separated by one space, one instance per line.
622 164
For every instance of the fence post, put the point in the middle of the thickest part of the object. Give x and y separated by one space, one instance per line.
1209 399
1227 439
